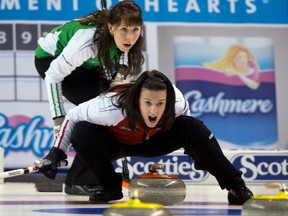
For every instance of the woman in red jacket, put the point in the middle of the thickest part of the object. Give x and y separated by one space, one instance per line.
149 118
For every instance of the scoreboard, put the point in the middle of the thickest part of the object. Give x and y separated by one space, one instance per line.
18 78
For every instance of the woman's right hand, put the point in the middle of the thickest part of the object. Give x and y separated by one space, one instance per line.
53 158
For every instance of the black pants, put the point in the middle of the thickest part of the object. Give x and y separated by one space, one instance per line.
81 85
98 147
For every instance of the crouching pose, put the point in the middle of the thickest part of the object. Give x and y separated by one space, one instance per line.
148 118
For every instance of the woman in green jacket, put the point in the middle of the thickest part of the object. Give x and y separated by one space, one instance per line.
84 57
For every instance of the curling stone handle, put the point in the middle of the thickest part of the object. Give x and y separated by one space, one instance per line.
155 167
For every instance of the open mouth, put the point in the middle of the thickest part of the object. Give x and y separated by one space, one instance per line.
152 119
127 45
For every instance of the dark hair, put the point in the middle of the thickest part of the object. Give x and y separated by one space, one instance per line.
129 13
128 99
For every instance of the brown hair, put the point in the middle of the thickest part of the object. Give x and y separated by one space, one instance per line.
128 98
127 12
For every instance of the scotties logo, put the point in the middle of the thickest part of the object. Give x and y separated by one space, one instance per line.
262 167
180 166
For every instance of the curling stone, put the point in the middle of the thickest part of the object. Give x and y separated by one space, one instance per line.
134 206
272 205
164 189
